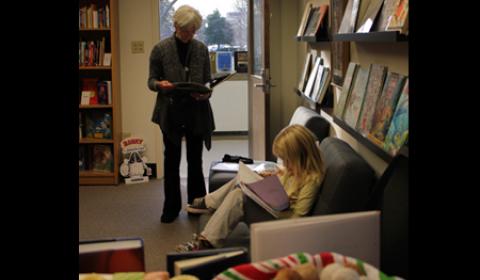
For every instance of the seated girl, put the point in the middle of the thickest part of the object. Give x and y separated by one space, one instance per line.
301 175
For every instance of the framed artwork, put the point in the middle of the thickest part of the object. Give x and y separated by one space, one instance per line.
340 50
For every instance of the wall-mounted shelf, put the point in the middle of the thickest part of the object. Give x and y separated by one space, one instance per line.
313 39
360 138
383 36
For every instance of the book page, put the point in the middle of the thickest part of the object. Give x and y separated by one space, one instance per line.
183 264
246 175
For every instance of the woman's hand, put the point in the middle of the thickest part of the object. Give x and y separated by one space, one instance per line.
164 84
200 96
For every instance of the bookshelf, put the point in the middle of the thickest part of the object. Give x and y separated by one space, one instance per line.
100 115
375 47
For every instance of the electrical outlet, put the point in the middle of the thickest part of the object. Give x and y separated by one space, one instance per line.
137 47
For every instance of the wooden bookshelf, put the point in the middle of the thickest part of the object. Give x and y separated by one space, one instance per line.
107 29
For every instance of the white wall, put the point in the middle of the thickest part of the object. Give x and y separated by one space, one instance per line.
138 21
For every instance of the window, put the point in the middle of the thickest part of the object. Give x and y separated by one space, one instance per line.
224 26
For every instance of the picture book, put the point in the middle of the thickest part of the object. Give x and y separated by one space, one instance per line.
318 83
267 192
305 73
205 264
340 50
398 21
347 84
355 100
111 255
90 85
98 124
374 88
349 17
311 79
303 22
102 158
397 133
324 84
388 8
367 20
385 106
315 21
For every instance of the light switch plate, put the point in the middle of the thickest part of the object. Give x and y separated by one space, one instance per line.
137 47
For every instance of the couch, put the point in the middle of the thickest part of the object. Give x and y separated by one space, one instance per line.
347 186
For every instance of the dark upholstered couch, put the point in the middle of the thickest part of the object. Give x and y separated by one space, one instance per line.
347 186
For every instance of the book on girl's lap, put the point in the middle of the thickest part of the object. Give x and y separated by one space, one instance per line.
267 192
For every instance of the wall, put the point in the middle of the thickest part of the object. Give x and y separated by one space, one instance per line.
138 21
284 64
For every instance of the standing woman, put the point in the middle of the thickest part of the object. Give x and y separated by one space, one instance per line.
181 58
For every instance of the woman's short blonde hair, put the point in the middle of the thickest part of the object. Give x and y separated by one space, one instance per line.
187 16
297 146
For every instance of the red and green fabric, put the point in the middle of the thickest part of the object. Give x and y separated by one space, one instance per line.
266 270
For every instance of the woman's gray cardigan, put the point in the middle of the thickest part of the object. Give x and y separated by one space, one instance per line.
165 65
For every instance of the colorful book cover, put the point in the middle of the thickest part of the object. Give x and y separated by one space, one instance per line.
102 158
385 107
398 131
355 101
374 88
347 83
388 9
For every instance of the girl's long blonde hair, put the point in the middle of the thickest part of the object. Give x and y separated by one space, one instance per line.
297 147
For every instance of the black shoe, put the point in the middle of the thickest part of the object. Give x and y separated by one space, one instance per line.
168 218
198 207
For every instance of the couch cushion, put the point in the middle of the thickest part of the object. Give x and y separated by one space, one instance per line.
348 179
311 120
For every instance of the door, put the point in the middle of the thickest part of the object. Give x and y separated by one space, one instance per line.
258 79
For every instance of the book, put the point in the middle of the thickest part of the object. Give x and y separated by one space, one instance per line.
111 255
304 21
208 267
102 158
316 18
340 50
374 88
387 10
355 100
312 77
305 73
398 21
107 59
385 107
367 21
397 133
247 178
349 17
205 261
346 88
324 83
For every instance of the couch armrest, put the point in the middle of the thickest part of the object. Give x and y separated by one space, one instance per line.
351 234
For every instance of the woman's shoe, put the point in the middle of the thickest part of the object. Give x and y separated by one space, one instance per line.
198 206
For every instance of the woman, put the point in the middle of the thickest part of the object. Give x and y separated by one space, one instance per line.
181 58
301 175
